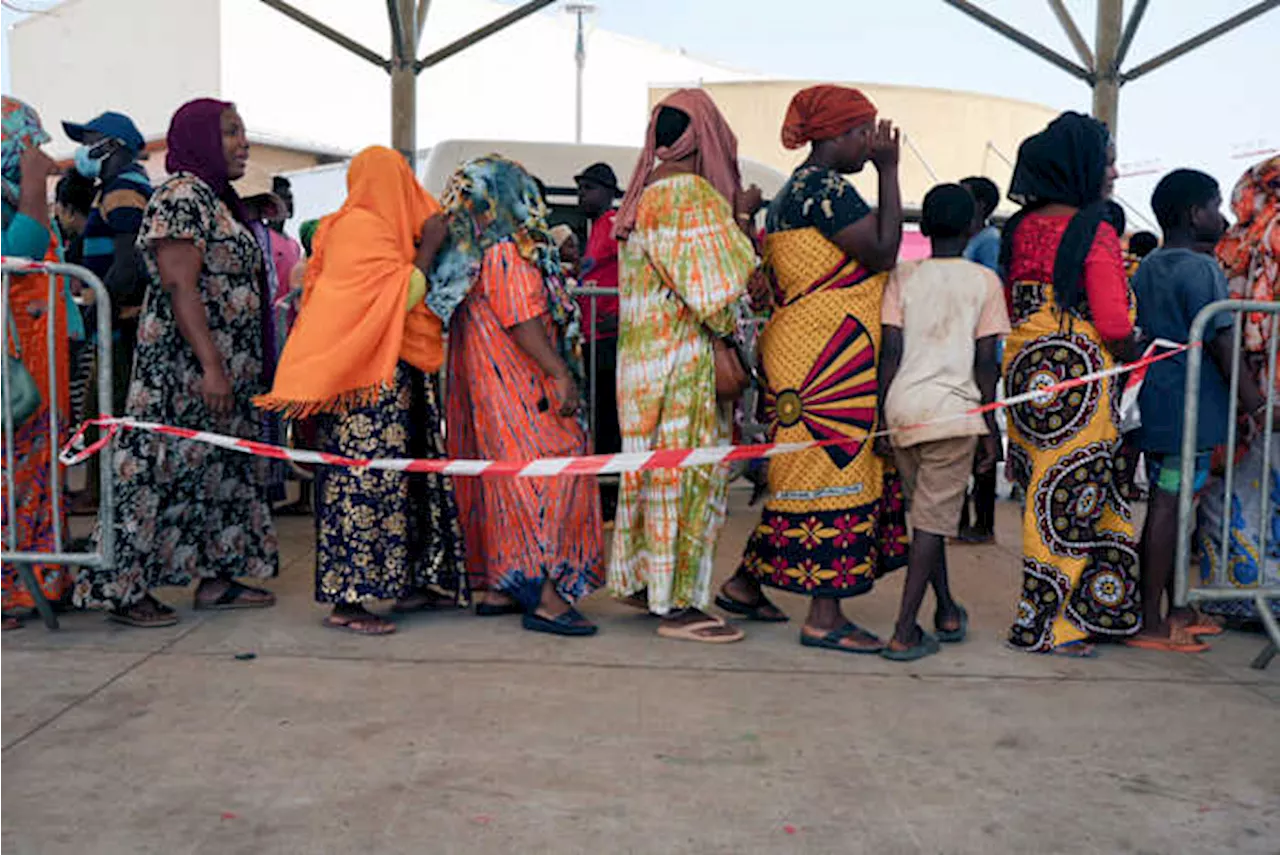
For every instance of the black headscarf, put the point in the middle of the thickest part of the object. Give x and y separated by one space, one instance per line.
1065 163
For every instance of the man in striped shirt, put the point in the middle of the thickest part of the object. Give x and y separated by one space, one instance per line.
110 146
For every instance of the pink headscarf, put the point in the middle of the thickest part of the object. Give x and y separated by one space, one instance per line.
708 137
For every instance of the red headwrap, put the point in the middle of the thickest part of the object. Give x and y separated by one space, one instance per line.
824 112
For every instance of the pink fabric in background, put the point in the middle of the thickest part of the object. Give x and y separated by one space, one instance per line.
914 245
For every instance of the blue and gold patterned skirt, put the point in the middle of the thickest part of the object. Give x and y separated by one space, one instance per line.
384 535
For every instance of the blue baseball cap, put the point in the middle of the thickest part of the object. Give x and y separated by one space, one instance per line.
115 125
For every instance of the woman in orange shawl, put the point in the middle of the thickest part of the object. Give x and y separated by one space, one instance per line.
361 357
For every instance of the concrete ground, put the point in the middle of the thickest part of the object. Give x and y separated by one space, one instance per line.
467 735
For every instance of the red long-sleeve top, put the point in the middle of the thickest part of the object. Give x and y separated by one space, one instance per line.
1035 246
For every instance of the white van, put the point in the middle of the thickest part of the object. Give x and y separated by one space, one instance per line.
321 190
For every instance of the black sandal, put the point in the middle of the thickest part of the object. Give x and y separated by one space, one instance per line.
831 641
233 598
571 623
754 611
491 610
155 614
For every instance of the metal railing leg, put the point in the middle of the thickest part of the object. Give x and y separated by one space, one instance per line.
1264 657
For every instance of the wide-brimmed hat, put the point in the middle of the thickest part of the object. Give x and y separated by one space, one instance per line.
601 174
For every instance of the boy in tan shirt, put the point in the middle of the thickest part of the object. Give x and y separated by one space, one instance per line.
942 322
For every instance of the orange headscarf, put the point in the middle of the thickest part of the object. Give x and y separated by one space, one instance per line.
708 136
823 113
352 328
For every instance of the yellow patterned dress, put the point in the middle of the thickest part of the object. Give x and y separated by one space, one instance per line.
835 520
684 266
1080 560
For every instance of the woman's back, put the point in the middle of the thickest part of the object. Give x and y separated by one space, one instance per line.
1104 296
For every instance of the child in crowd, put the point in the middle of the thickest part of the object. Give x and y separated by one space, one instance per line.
984 246
942 322
1172 286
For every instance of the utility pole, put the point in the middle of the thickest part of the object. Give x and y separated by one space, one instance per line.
581 10
1106 90
404 78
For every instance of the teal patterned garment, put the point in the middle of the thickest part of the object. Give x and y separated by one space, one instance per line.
492 200
22 130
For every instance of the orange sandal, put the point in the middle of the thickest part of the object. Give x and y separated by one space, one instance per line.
1179 641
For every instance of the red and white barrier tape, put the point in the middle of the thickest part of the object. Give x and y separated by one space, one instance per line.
594 464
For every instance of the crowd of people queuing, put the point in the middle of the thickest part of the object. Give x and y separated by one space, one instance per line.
221 322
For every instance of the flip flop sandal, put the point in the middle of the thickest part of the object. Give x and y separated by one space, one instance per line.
1168 645
639 602
1204 625
831 641
161 616
362 625
428 604
491 610
753 612
1074 650
953 636
233 598
689 632
571 623
927 645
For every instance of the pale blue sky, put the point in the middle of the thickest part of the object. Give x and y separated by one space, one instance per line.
1204 110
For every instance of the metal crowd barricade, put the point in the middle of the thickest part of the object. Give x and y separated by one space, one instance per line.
12 550
1220 587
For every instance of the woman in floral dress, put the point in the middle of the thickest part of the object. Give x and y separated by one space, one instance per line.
184 509
685 263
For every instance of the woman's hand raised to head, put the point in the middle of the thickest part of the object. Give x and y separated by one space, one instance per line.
886 145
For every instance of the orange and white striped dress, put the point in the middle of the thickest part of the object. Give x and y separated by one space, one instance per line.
502 406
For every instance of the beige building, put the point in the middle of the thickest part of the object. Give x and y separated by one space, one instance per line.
948 135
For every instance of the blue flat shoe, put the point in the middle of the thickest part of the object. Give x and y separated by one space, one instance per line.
571 623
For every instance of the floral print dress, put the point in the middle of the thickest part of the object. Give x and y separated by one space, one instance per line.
183 509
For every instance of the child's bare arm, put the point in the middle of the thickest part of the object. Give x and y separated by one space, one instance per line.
986 371
886 371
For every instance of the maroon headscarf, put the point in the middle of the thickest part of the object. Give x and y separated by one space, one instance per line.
195 146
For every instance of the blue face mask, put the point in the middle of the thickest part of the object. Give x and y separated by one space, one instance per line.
88 165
